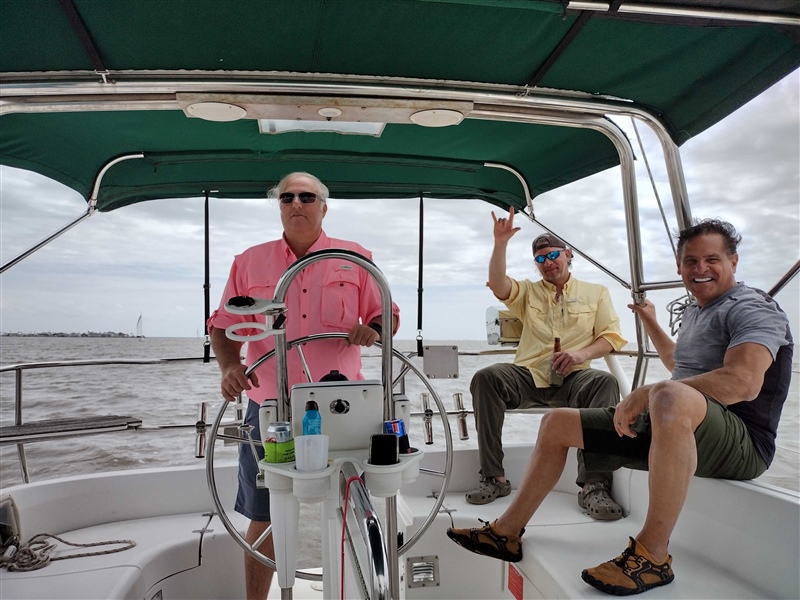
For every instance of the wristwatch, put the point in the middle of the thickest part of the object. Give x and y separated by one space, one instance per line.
376 327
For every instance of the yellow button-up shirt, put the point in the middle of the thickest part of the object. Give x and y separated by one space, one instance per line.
583 314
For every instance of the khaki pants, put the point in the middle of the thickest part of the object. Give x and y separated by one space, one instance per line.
505 386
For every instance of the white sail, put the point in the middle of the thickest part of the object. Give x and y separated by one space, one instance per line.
139 328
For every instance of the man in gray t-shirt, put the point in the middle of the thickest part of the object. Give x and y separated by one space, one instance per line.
741 315
716 417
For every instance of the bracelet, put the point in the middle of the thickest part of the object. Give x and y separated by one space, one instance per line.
377 328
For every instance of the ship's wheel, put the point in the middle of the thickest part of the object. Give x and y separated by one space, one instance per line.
252 549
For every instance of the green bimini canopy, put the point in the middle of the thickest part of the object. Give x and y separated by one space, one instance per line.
87 81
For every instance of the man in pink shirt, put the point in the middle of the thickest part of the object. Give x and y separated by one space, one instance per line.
327 296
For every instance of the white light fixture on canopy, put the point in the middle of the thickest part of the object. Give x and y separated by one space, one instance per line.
329 112
216 111
436 117
344 114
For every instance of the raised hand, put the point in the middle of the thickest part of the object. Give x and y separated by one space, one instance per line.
504 228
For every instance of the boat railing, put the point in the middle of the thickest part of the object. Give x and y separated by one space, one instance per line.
21 432
612 362
19 369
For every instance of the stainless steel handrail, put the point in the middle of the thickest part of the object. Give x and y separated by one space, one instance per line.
372 535
787 277
20 368
281 289
91 362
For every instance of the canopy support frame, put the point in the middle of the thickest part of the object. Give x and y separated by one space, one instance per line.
92 208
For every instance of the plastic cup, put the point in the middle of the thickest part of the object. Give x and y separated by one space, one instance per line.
311 452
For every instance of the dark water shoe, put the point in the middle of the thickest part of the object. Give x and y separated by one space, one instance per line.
488 490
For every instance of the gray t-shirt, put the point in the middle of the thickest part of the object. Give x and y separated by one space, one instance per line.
741 315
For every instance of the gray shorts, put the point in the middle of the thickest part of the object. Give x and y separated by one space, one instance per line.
251 501
724 447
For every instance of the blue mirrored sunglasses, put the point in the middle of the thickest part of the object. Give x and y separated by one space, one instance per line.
552 255
305 197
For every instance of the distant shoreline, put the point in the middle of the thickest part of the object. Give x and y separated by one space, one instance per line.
86 334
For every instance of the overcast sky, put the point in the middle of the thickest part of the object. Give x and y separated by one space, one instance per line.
148 259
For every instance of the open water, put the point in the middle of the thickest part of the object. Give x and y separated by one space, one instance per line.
165 398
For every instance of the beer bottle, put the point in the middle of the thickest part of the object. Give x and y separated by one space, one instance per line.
556 379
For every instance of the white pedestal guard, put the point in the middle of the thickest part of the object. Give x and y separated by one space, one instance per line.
289 487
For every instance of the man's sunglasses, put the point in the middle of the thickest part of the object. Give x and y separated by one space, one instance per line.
305 197
552 255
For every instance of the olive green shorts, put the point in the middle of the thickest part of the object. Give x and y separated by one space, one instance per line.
724 447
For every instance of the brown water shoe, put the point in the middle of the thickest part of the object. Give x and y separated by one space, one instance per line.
632 572
486 541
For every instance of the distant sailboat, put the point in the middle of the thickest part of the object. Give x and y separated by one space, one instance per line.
139 333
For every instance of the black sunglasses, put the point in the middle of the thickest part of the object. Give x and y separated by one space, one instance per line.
552 255
305 197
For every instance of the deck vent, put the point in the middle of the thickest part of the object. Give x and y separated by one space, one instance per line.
422 571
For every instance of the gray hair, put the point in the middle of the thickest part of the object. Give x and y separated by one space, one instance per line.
698 227
275 192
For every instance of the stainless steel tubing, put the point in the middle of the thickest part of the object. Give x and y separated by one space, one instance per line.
369 526
282 288
458 400
787 277
200 426
428 418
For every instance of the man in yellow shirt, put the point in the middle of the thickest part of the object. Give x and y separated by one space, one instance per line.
581 315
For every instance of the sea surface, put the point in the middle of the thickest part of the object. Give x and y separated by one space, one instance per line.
165 397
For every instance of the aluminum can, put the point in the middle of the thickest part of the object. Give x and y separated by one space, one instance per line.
395 426
279 443
279 431
267 414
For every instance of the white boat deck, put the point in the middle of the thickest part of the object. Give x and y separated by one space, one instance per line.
734 540
165 545
718 546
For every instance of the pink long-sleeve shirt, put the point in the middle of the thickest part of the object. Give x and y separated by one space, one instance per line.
329 295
